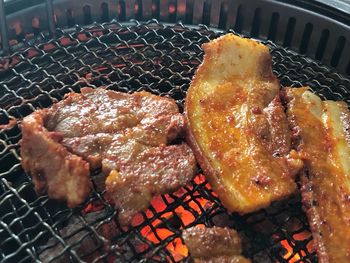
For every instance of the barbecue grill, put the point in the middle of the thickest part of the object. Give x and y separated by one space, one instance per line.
50 48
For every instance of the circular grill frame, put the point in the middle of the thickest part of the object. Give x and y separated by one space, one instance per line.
318 28
26 218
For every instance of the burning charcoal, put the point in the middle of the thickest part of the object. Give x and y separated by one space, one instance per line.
81 239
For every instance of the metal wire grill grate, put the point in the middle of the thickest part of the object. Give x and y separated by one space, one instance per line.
130 57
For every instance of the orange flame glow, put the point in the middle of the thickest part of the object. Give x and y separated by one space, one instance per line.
292 257
156 231
181 216
93 207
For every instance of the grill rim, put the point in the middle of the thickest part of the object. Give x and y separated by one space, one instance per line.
329 16
204 28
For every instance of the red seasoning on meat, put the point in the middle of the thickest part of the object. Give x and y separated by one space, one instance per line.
322 139
127 135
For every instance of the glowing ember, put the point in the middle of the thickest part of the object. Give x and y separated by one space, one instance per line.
136 7
172 8
177 249
292 257
199 179
186 216
177 218
162 223
303 236
93 207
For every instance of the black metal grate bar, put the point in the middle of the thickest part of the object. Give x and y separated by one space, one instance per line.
3 27
50 17
131 57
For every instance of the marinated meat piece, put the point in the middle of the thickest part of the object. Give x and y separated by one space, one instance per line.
128 134
54 169
212 242
156 170
91 147
322 139
92 112
277 138
237 126
216 244
104 111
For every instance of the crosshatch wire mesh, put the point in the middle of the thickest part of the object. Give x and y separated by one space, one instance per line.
131 57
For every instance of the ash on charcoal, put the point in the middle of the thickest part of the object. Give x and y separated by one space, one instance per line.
86 236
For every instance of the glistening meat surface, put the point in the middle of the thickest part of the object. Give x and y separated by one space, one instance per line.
322 139
237 126
127 135
53 168
215 244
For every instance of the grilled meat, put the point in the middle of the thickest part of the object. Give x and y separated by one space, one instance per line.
124 134
53 168
322 138
237 126
214 244
156 170
104 111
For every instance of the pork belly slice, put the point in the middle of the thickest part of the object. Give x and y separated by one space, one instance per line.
215 244
237 127
322 138
125 134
